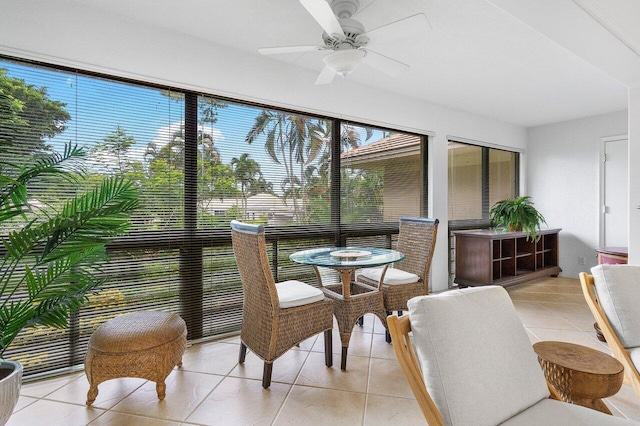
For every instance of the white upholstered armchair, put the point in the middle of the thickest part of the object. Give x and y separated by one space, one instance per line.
613 295
474 363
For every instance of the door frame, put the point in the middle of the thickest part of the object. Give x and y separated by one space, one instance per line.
601 175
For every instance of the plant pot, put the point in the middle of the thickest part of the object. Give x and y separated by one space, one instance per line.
10 382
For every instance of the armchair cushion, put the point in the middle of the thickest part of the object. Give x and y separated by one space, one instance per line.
618 289
481 368
634 354
552 412
296 293
393 276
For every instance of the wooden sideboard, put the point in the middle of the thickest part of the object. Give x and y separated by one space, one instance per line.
489 257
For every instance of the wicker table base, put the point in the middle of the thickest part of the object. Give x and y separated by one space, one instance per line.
362 299
581 375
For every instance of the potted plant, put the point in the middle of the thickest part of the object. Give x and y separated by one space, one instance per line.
517 214
50 254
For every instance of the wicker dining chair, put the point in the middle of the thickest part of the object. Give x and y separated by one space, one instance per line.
275 317
409 277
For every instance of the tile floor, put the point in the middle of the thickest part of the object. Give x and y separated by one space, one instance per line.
212 389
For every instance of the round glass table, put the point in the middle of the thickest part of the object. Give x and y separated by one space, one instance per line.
351 299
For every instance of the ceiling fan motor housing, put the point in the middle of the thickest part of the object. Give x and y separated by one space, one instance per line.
353 38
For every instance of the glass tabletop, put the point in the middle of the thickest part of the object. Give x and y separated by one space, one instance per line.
347 257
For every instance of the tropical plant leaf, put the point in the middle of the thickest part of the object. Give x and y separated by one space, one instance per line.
52 261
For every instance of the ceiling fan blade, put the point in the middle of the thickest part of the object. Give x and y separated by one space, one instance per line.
389 66
399 30
326 75
287 49
321 12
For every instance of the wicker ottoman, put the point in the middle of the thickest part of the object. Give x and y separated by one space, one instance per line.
140 344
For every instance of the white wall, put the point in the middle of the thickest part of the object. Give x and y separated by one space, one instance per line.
70 33
634 176
563 166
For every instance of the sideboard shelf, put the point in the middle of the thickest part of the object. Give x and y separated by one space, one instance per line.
489 257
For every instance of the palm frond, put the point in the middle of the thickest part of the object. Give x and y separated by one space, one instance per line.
51 262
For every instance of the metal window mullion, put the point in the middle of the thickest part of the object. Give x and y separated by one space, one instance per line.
191 263
485 183
336 147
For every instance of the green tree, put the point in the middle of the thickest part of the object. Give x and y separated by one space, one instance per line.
27 118
363 190
116 145
292 141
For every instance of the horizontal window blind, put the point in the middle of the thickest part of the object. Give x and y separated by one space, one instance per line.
381 176
252 163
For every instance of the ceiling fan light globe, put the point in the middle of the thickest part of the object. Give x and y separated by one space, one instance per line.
344 62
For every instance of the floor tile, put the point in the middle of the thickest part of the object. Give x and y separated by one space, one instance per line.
240 402
212 358
109 393
385 411
316 406
285 369
386 378
23 402
52 413
40 388
185 391
359 344
354 378
213 389
112 418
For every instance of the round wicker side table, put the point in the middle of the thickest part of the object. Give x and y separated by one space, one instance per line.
139 344
581 375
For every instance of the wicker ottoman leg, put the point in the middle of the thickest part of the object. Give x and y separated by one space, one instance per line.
161 389
92 394
93 386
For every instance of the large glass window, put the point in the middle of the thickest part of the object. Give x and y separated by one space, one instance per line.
125 129
200 161
262 165
381 175
478 178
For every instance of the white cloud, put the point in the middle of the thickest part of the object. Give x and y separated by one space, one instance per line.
165 134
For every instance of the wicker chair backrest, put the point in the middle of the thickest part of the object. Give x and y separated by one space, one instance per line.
416 240
260 299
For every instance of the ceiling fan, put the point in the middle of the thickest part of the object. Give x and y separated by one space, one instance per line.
348 40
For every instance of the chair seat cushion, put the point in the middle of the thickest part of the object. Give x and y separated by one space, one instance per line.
552 412
480 369
296 293
393 276
618 292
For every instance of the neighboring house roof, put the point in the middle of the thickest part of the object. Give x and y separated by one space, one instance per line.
398 145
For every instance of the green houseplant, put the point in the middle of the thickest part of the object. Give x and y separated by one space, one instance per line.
51 253
517 214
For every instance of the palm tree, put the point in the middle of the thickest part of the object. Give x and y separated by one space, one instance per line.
293 141
246 170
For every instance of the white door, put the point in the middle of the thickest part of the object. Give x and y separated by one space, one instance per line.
616 183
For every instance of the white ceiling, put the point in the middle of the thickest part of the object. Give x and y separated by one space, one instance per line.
519 61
